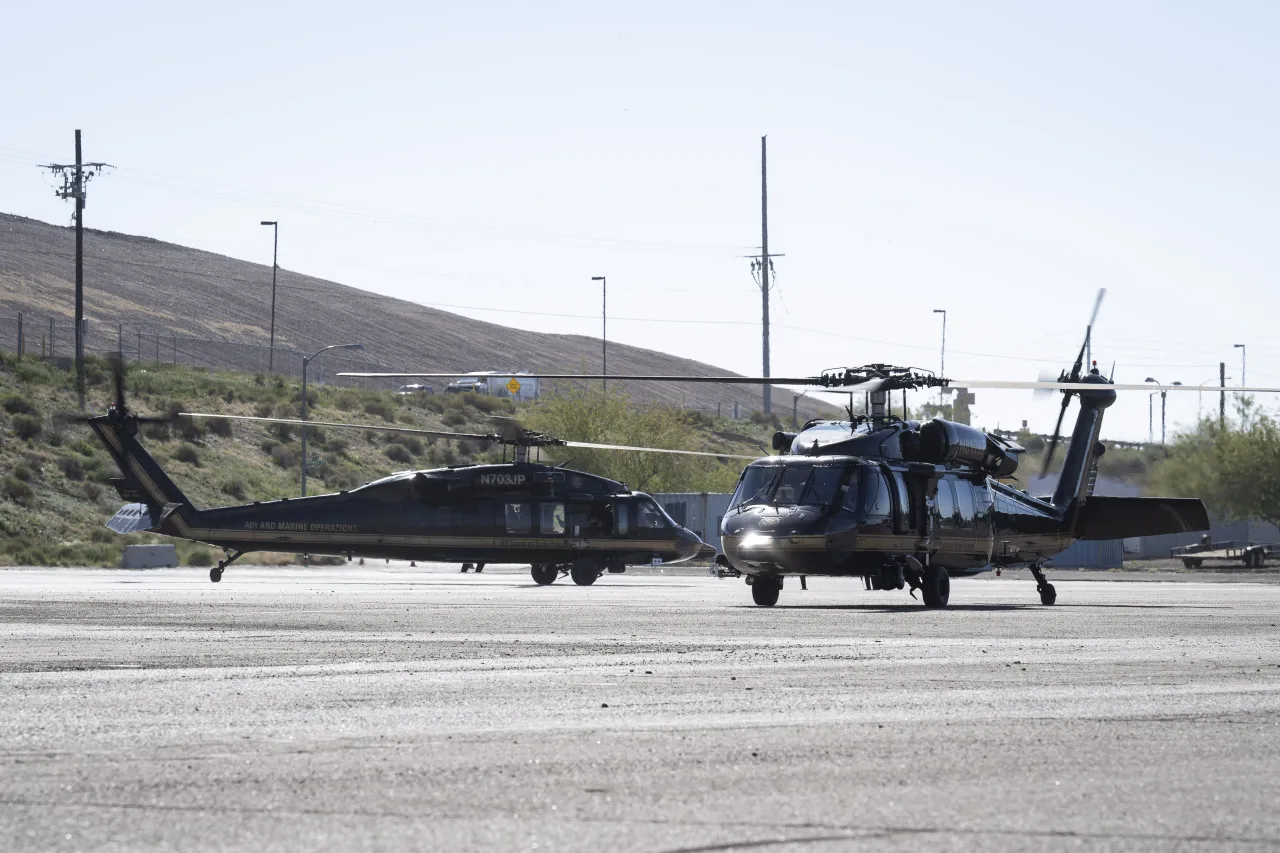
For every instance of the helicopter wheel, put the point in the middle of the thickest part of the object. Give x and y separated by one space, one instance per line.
584 572
1048 595
544 573
215 574
765 590
936 586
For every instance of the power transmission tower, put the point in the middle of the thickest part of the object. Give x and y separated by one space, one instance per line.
763 264
75 179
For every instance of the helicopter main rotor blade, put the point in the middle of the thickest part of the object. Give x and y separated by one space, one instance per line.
1088 386
1097 305
1057 435
593 446
472 436
612 377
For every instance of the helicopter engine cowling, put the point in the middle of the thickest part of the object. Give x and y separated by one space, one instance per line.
943 442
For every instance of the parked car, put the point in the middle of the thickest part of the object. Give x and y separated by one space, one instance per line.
415 389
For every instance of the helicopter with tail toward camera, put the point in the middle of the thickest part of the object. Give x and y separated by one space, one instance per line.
909 504
559 521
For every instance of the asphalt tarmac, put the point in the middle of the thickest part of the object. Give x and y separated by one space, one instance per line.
421 709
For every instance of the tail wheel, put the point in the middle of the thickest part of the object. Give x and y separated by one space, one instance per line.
935 586
765 590
584 572
544 573
1048 595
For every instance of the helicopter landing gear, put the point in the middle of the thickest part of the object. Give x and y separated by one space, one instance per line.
765 590
935 586
215 574
1048 595
544 573
584 572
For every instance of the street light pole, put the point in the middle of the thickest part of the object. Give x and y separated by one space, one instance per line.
1241 347
275 255
305 361
604 328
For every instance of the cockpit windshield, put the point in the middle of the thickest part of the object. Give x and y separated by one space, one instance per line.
789 485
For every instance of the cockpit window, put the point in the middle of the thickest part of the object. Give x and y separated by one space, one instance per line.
649 516
756 485
790 485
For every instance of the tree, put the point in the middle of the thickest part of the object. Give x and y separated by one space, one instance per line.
1235 470
609 417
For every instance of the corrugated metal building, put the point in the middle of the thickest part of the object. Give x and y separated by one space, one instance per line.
701 512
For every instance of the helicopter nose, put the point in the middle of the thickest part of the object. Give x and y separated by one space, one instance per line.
688 545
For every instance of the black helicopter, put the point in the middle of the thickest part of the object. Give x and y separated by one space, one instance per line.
559 521
902 503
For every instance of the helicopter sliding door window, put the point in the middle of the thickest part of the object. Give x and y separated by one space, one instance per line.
622 517
551 519
903 519
519 518
878 503
946 504
964 503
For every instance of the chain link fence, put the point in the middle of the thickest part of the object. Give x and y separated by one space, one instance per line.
52 339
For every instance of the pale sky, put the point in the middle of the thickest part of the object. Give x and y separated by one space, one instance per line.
998 160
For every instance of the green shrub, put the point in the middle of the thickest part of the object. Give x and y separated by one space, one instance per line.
264 410
284 432
269 445
234 488
346 401
410 443
382 409
16 404
489 405
156 432
397 453
455 418
18 491
218 426
23 472
187 453
191 429
72 467
283 456
337 444
92 491
27 427
200 557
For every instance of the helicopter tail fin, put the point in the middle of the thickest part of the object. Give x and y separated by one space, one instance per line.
157 502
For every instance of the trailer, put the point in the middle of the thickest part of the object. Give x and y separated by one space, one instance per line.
1253 555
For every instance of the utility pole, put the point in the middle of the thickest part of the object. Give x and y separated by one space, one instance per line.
763 263
604 328
942 368
275 265
75 178
1222 395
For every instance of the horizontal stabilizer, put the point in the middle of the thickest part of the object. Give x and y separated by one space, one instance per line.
131 518
1122 518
